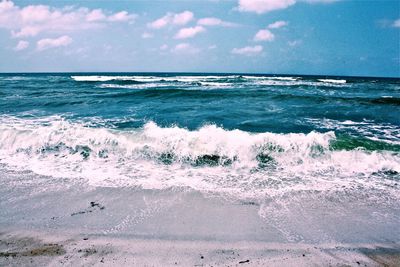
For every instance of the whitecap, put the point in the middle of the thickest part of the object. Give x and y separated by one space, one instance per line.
332 81
209 159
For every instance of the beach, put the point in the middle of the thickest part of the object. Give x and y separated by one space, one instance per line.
34 249
103 226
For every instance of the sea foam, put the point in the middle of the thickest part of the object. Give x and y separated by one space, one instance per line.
208 159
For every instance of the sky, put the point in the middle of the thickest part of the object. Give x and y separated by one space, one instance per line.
316 37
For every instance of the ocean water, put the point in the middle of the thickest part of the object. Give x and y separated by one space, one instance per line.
241 136
202 156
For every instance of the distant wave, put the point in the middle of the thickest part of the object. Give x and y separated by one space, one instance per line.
210 158
225 81
135 85
96 78
271 78
382 132
332 81
272 82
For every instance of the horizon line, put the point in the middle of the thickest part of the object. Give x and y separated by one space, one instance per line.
198 72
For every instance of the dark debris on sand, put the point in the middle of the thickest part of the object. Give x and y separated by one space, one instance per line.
93 207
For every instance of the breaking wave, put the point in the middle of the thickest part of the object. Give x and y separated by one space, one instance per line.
225 81
341 81
209 158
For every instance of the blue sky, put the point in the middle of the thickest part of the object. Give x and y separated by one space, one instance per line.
324 37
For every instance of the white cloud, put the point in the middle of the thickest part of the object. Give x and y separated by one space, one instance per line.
160 23
211 47
185 48
163 47
47 43
248 50
21 45
263 6
26 31
264 35
182 18
95 15
121 16
171 18
35 19
278 24
215 22
147 35
189 32
396 23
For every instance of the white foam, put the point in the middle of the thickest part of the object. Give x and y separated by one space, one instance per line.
94 78
290 81
139 78
217 84
211 80
270 78
383 132
108 78
54 147
134 86
332 81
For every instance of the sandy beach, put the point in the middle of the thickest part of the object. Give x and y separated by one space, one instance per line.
40 249
82 225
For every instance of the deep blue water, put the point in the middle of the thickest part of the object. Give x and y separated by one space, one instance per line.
259 126
250 103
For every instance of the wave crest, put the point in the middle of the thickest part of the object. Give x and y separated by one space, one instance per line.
210 158
225 81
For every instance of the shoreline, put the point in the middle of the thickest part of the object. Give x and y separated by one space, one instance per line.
49 221
24 248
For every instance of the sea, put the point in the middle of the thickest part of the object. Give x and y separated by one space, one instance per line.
262 140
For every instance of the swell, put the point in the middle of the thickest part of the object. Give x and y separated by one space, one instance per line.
113 81
172 92
328 98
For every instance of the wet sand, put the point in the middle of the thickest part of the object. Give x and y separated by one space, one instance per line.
41 249
46 221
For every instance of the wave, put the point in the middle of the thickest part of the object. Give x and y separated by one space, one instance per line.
384 133
301 82
271 78
159 85
210 158
138 85
215 81
189 79
94 78
340 81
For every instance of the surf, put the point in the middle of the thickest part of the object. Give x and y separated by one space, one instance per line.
208 158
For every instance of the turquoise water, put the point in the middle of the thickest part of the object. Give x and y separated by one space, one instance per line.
221 133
